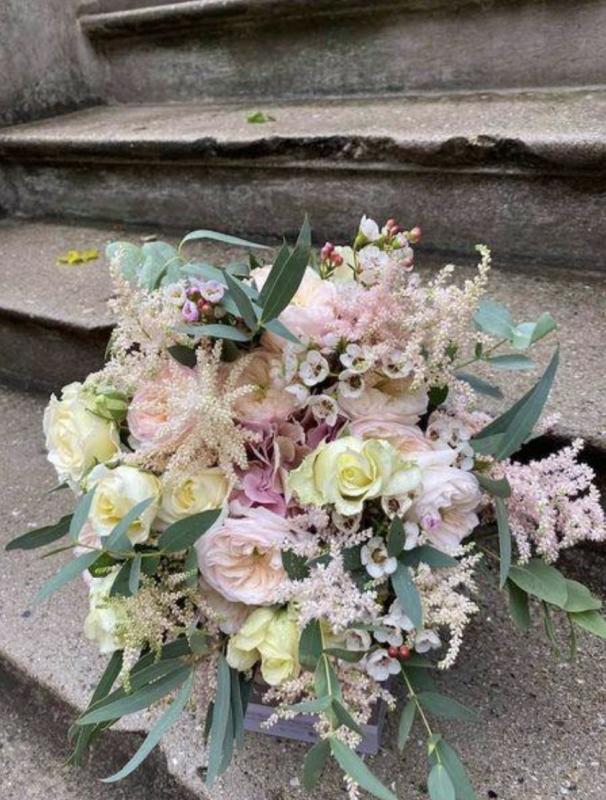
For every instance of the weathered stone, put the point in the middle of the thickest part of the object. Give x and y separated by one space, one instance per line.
268 49
522 167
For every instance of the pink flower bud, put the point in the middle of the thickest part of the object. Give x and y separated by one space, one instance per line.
414 235
336 259
326 251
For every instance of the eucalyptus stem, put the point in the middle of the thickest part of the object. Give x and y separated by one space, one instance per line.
413 696
483 356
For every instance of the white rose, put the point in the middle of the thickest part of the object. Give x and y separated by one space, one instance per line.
76 438
118 490
102 621
193 494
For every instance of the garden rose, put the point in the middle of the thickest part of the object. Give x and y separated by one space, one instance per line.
309 312
184 496
77 438
385 400
242 559
268 402
349 471
446 505
271 636
150 409
117 491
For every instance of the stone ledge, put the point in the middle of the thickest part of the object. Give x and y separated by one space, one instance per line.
536 133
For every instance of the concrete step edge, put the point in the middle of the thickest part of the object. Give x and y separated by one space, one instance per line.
525 132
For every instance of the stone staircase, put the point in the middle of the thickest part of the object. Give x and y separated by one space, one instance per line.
478 120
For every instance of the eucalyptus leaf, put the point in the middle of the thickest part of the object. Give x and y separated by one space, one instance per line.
396 537
219 726
497 488
439 785
425 554
310 644
40 537
121 584
458 775
407 594
315 706
541 580
285 276
519 607
479 384
118 538
315 760
215 331
579 598
242 301
352 765
295 565
186 532
220 237
183 355
442 706
80 515
493 318
344 717
67 573
407 719
168 718
277 327
504 540
512 361
591 621
135 575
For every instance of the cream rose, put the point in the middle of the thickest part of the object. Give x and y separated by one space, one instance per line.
446 505
268 402
117 491
349 471
271 636
182 497
102 622
385 400
242 558
309 312
77 438
406 439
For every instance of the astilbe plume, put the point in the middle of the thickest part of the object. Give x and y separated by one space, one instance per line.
554 504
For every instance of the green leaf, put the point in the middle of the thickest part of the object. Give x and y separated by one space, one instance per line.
513 361
174 675
81 513
504 540
544 325
408 594
591 621
456 770
494 319
351 656
156 258
442 706
84 735
186 532
259 117
121 584
242 301
128 256
518 606
296 566
357 770
310 644
326 682
237 707
198 641
406 721
541 580
277 327
286 276
40 537
218 729
315 706
497 488
135 575
215 331
439 785
502 437
396 537
170 716
183 355
479 384
427 555
580 598
314 764
344 717
220 237
68 572
118 539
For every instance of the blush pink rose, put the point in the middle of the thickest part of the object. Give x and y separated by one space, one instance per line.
150 409
405 438
446 504
242 558
268 403
310 312
386 399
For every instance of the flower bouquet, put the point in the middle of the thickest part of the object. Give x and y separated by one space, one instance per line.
283 474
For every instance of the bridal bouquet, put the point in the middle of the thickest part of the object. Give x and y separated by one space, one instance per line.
283 475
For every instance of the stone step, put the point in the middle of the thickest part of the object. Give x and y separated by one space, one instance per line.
267 49
54 324
525 171
544 719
